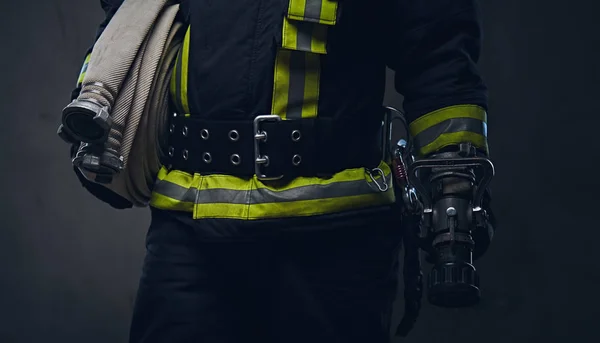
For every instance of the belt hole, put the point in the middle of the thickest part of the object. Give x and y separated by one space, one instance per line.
296 135
204 134
184 131
171 151
296 160
234 135
172 128
236 159
206 157
185 154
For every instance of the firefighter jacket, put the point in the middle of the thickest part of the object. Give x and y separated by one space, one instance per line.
326 59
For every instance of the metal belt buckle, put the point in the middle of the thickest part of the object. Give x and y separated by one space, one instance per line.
261 160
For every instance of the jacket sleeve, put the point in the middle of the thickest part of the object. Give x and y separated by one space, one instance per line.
434 53
110 7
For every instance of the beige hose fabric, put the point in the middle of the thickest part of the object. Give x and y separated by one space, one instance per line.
129 70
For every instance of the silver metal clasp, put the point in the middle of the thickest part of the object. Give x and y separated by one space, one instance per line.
382 185
260 135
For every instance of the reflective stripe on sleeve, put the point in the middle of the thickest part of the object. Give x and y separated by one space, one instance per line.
450 126
83 70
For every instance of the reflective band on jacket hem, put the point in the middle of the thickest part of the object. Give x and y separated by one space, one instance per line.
449 126
317 11
223 196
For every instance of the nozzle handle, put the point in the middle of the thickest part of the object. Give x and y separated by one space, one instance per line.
450 164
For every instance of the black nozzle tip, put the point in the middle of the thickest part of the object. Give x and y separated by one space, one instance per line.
453 284
82 124
86 121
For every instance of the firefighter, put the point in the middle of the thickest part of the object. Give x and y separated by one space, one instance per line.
291 234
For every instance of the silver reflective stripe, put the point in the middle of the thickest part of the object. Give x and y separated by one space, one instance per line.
304 35
429 135
296 85
175 191
312 10
263 195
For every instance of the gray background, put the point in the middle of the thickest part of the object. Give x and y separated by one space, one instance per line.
69 264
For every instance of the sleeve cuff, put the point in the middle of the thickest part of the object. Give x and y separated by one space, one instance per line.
450 126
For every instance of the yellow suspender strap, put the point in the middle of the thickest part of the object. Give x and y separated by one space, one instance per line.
298 62
316 11
297 65
179 77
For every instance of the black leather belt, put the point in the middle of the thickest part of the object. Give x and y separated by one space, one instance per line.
267 146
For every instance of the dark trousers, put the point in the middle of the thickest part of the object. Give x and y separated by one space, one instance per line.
326 279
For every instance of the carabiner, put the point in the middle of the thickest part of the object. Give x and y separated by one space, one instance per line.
381 188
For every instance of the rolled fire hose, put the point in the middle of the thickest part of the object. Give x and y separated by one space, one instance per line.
126 92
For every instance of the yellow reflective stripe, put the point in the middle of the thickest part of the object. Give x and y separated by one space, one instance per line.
297 64
178 180
224 196
454 138
184 72
433 118
178 86
281 83
296 84
296 9
318 11
291 209
319 40
81 78
235 183
311 86
163 202
304 36
289 35
83 70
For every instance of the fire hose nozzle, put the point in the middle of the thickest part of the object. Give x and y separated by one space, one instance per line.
87 121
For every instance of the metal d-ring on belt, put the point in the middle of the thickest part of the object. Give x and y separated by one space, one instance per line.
267 147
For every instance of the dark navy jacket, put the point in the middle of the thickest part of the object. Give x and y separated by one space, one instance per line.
433 46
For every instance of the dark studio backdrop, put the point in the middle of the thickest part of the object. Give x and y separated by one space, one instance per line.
69 265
